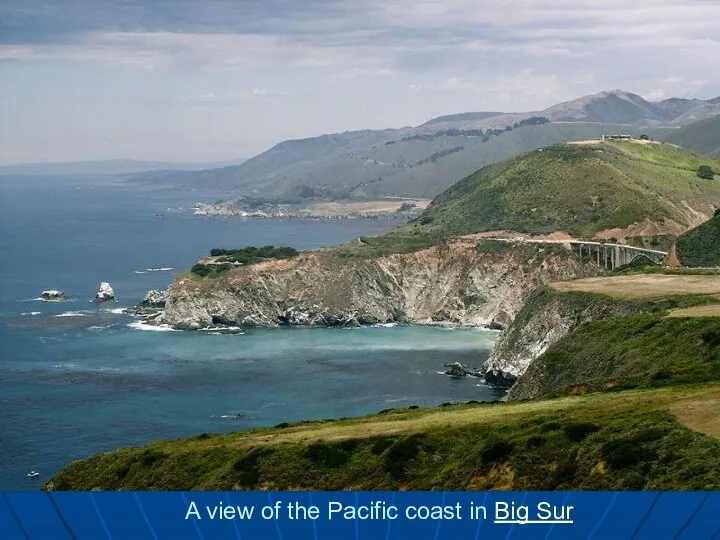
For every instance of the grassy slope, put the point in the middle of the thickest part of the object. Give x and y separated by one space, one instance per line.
644 348
701 246
581 189
600 441
702 136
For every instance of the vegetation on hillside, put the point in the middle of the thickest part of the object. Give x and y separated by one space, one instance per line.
639 351
700 246
225 259
705 172
702 136
581 189
601 441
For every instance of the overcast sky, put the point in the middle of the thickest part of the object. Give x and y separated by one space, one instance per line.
180 80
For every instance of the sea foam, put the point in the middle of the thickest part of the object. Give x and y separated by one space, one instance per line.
142 325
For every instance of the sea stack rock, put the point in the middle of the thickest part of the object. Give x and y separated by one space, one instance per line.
53 296
105 293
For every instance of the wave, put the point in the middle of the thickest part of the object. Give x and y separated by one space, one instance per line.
385 325
116 311
99 328
161 269
71 314
31 313
142 325
222 330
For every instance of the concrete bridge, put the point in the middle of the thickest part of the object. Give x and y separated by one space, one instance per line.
607 255
612 256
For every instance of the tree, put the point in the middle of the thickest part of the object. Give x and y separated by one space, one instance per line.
705 172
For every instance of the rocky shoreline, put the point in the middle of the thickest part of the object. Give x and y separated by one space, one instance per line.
451 285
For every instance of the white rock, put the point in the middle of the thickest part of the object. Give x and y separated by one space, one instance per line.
53 295
105 292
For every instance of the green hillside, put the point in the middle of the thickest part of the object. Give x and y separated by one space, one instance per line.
639 351
581 189
702 136
370 164
700 247
628 440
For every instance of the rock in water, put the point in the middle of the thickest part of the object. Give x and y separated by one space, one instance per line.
53 296
153 303
105 293
154 299
458 370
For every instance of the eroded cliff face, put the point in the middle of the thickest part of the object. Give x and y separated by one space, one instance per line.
458 283
546 317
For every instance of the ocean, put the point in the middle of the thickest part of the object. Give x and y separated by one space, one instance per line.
77 378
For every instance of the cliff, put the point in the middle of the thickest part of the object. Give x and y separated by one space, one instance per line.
592 332
546 317
465 282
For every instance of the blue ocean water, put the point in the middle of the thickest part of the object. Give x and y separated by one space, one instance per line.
77 378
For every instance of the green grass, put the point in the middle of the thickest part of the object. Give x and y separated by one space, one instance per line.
225 258
579 189
642 350
600 441
701 246
702 136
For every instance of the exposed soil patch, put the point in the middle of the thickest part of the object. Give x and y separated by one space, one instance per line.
700 415
712 310
643 285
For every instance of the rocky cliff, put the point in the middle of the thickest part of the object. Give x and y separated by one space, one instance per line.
463 282
546 317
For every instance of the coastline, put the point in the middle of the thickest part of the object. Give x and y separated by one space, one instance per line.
391 208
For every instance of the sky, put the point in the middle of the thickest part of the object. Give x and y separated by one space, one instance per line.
206 80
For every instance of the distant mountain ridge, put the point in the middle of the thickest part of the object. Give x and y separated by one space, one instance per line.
702 136
377 163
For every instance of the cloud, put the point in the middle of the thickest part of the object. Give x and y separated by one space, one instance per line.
347 63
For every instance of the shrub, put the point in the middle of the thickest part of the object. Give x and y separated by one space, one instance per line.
536 441
400 453
578 431
381 444
705 172
496 450
621 453
330 455
247 468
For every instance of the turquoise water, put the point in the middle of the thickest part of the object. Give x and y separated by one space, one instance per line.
77 378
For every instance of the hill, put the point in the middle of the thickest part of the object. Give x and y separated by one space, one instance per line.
628 331
628 440
604 188
700 247
422 161
366 165
702 136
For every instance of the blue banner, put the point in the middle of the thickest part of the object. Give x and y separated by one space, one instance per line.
359 515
